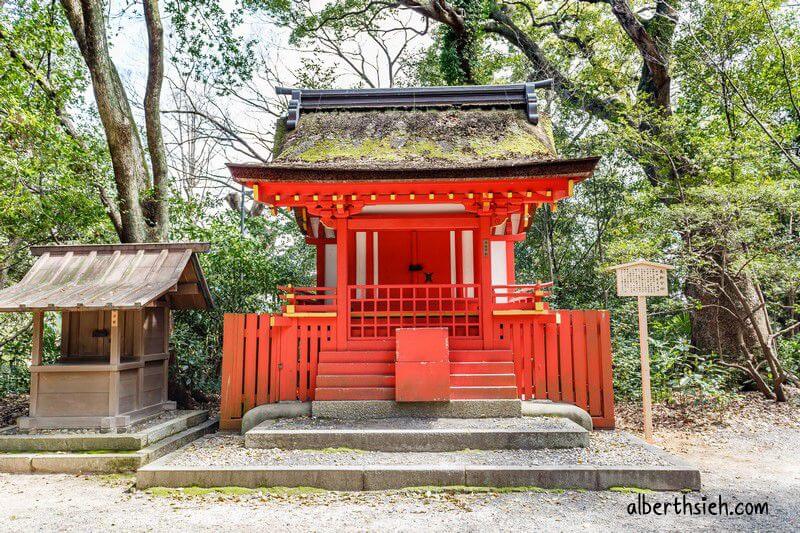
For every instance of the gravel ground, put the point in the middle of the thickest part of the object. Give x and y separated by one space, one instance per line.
754 459
521 423
225 449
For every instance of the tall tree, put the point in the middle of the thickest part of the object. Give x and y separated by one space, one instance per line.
142 185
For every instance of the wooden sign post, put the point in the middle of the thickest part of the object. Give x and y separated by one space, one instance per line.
642 279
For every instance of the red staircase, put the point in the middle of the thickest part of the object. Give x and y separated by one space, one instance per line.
482 375
355 375
369 375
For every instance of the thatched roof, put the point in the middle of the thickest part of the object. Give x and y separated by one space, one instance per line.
414 139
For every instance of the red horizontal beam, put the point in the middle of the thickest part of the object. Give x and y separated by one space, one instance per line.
298 193
416 222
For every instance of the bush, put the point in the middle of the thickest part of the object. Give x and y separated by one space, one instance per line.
15 353
675 369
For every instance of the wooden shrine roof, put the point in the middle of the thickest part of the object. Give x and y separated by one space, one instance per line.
118 276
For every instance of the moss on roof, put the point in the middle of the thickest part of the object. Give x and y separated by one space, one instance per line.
419 138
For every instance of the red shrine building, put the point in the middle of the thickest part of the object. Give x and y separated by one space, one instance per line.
414 199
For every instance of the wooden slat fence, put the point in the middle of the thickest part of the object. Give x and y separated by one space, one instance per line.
267 359
567 362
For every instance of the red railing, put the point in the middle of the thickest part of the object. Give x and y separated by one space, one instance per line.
376 311
308 299
521 297
566 361
269 359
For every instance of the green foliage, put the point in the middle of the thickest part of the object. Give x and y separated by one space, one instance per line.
243 273
208 43
45 195
459 53
789 349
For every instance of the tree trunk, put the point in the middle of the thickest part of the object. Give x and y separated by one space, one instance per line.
714 328
137 223
159 212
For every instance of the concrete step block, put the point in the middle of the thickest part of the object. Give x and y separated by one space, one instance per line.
477 393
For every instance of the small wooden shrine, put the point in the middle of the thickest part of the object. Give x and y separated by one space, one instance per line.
114 303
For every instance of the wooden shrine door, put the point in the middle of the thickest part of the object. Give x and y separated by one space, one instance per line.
414 257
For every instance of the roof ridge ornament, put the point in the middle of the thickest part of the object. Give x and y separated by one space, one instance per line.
520 95
532 101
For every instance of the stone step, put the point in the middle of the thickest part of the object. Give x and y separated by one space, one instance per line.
354 368
178 440
359 410
473 356
482 393
483 380
418 435
356 356
482 368
613 460
112 462
392 477
351 380
149 433
354 393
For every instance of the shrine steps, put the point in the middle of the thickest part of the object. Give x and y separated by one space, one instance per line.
369 375
482 374
418 434
83 452
481 356
355 375
356 356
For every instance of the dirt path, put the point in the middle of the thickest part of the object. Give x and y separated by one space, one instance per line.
741 462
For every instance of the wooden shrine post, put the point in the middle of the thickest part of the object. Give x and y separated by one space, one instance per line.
642 279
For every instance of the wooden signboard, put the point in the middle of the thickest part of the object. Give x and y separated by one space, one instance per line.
642 279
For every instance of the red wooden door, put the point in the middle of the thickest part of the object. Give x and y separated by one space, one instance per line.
414 257
433 255
394 257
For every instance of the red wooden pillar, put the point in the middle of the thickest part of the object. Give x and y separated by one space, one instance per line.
342 299
485 262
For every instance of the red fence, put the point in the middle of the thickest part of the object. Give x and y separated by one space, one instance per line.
377 311
567 362
267 359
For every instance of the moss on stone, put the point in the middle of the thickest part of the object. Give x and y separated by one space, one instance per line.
280 134
168 492
385 139
631 490
465 489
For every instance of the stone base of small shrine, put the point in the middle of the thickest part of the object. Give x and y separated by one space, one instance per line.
89 451
104 424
